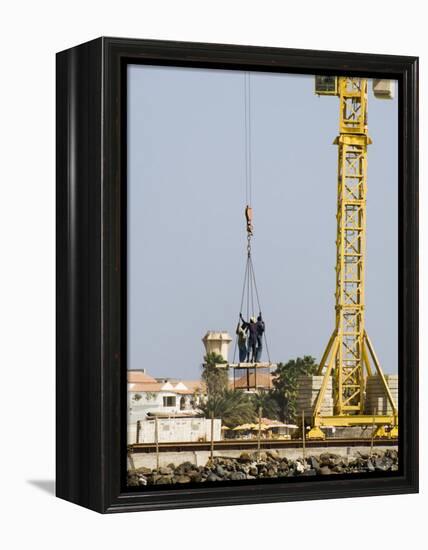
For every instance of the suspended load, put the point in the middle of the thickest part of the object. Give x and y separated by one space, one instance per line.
250 372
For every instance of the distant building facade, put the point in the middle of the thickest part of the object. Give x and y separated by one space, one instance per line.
148 396
167 409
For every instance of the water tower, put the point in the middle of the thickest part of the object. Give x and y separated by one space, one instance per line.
218 343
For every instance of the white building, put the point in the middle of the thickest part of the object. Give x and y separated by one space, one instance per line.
169 407
148 396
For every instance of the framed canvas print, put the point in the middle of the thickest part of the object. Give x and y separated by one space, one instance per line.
237 275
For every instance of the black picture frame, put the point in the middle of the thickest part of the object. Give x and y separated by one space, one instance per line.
91 294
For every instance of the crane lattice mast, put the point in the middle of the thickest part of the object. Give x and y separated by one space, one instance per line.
349 354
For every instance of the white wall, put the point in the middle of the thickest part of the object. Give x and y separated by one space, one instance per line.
175 429
30 33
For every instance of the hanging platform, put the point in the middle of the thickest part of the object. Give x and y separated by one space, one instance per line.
252 377
252 365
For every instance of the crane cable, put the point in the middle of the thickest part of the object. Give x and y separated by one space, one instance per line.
248 159
250 285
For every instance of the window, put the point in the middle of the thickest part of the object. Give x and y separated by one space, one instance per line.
326 85
169 401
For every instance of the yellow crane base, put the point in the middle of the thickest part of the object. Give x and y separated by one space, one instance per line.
315 433
383 433
386 426
393 433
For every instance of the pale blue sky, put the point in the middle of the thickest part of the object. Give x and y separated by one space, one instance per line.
186 230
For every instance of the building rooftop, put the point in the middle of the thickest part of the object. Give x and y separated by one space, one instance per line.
262 379
139 376
194 385
139 381
145 387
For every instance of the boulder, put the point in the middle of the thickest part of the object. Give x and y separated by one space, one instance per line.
393 454
314 463
183 479
164 480
324 459
213 477
237 476
220 471
195 477
143 470
383 464
300 468
273 454
133 481
245 457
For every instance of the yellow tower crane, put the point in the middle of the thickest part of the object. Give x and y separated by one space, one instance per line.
350 355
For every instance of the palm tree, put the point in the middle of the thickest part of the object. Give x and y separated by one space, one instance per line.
232 407
265 404
215 377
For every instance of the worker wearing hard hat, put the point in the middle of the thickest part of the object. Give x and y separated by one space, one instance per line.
251 330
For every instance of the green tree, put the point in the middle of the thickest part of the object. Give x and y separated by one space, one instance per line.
285 384
216 378
233 407
265 404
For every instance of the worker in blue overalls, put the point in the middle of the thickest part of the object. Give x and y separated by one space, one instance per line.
251 330
260 331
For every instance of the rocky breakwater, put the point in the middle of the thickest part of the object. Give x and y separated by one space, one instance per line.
267 465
